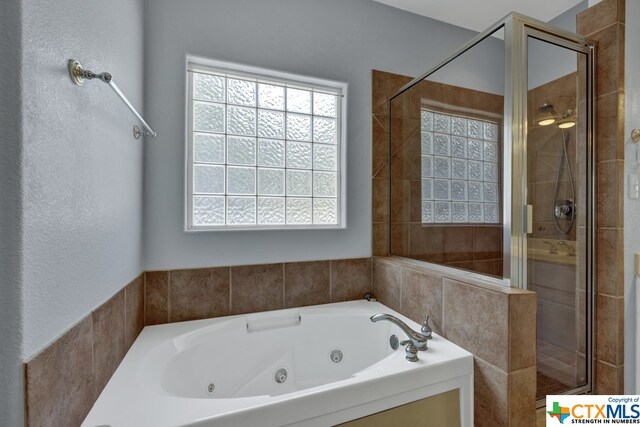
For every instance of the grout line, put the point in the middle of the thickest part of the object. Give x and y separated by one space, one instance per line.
401 289
124 335
144 299
230 290
168 296
93 360
373 278
330 280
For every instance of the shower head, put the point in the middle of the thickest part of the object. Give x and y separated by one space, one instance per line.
545 108
547 114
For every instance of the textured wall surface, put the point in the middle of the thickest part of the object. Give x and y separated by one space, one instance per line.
10 215
330 39
631 207
82 170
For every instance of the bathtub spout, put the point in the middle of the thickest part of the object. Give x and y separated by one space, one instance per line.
416 341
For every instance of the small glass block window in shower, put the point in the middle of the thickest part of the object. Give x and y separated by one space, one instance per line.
460 163
264 149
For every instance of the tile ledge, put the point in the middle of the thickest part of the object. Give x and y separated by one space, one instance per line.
469 278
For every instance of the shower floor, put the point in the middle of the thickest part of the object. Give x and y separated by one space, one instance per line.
556 369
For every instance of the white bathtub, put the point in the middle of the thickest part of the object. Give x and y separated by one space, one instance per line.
221 372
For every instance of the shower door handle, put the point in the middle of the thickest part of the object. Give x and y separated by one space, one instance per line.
529 216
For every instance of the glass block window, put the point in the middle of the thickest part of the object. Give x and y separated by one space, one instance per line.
460 169
264 149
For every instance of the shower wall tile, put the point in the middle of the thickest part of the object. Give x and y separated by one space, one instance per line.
257 288
406 164
108 340
464 265
156 297
610 336
491 395
380 238
609 71
400 200
427 243
402 130
134 310
457 243
387 284
422 295
609 139
609 378
522 397
379 94
59 380
609 203
307 283
522 336
380 150
415 201
601 15
487 242
491 267
400 242
483 330
350 279
609 265
199 294
380 200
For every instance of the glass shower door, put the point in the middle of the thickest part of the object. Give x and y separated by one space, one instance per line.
557 163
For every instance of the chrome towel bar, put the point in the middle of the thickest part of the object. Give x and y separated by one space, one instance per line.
79 75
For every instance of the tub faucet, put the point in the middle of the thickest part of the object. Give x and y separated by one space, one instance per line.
416 341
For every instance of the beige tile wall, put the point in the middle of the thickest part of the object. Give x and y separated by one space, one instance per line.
490 320
476 248
604 23
177 295
65 379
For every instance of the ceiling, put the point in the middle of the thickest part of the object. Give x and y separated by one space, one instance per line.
477 15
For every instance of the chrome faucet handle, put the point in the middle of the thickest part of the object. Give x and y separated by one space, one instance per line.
417 340
426 329
553 249
411 351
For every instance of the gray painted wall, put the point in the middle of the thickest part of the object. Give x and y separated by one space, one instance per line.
479 68
70 173
11 396
333 39
631 207
82 170
548 62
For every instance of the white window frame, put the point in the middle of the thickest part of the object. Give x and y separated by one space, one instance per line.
207 65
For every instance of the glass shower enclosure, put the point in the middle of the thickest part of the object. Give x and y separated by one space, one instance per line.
491 160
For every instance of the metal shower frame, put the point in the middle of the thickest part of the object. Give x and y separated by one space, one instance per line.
517 217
